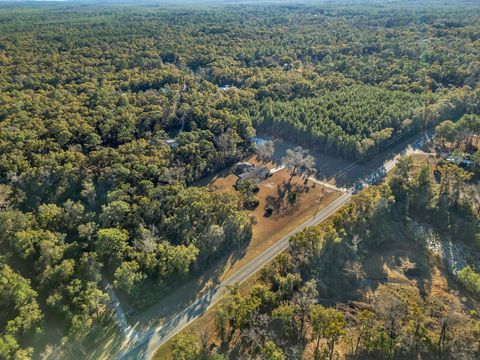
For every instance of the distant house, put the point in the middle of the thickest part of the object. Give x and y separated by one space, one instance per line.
224 87
172 143
460 160
258 141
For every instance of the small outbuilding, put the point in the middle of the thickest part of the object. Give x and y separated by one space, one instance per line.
225 87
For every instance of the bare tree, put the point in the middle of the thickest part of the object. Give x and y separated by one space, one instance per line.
265 150
356 240
354 268
253 336
448 337
147 240
298 160
227 143
305 298
393 312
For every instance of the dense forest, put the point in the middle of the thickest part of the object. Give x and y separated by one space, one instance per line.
109 115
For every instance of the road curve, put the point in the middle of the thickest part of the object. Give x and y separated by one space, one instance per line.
151 340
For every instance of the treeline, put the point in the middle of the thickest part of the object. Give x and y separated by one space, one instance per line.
148 68
359 120
291 311
348 122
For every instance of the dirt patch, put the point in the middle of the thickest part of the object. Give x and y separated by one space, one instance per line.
274 191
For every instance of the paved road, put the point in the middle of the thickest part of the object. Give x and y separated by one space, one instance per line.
153 339
119 315
149 341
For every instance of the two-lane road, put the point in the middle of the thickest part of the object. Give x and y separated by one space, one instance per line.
154 338
150 340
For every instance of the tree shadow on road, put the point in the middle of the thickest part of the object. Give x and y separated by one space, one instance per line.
191 291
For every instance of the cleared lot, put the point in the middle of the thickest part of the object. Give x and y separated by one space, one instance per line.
274 191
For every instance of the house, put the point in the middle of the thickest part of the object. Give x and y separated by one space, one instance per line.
460 160
172 143
255 173
242 167
258 141
246 170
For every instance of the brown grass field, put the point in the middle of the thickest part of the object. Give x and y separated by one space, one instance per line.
267 230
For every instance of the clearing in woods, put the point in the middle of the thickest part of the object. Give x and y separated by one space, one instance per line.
267 230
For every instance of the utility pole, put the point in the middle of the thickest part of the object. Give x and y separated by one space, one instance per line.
322 194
